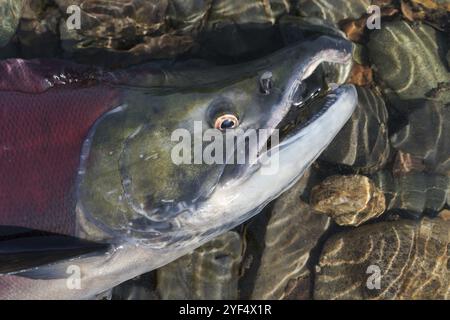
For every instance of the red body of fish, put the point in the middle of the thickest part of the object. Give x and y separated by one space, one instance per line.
43 125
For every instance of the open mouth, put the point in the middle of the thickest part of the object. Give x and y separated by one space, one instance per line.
308 100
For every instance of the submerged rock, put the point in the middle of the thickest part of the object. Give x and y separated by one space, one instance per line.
121 32
389 260
333 10
237 29
134 31
139 288
408 58
246 12
348 200
405 163
426 136
445 215
434 4
38 32
292 231
10 12
210 272
363 143
415 192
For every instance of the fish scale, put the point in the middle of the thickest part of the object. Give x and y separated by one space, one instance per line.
41 137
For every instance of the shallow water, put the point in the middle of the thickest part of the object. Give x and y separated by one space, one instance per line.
378 198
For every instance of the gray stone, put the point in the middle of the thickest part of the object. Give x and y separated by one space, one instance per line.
409 59
333 11
210 272
363 143
415 192
291 232
426 135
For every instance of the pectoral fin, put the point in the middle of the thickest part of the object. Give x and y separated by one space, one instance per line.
24 249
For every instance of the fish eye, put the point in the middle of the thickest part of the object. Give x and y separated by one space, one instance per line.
266 82
226 121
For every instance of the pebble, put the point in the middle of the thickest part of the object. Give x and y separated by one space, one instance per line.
348 200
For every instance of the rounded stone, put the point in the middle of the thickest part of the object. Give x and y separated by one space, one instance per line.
363 142
408 58
348 200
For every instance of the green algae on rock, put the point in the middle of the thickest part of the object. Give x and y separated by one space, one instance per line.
389 260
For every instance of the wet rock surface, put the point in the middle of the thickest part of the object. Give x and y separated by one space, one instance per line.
333 10
414 193
390 260
134 30
363 143
409 59
137 30
10 12
291 232
348 200
38 31
210 272
426 135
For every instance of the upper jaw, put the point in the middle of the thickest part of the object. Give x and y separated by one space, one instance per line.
331 50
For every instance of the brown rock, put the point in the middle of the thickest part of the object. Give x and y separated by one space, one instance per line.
445 214
405 163
411 13
434 4
348 200
361 75
405 259
354 29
